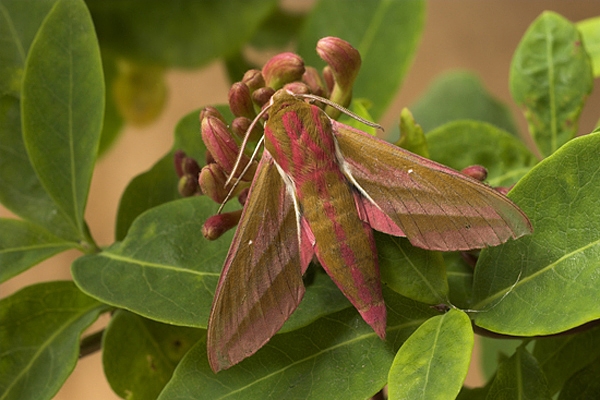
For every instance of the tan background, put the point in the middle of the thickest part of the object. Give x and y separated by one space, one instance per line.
479 35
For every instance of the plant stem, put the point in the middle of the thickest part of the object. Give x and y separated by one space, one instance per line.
91 344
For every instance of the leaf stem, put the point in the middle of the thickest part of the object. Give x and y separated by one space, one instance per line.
91 344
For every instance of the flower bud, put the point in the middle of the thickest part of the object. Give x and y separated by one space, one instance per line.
240 126
254 79
240 101
190 167
314 82
502 189
220 143
217 225
178 158
212 182
297 88
343 59
344 63
476 172
211 112
329 79
262 96
283 68
188 186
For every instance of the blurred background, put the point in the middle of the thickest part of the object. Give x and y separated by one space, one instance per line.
475 35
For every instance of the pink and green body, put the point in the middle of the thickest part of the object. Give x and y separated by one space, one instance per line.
319 190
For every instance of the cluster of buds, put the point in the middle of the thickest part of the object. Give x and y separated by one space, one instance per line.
226 161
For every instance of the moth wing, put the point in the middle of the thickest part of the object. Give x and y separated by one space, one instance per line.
434 206
261 282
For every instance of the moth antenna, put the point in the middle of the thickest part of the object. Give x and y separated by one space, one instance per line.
245 143
340 108
254 153
500 299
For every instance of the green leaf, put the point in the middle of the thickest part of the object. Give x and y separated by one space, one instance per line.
23 245
461 144
20 189
39 338
492 351
386 34
519 377
434 360
164 269
192 33
583 385
278 30
561 357
590 32
337 357
460 95
550 278
550 77
159 184
460 279
322 297
140 355
62 106
412 272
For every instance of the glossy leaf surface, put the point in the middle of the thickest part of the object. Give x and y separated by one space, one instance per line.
461 144
336 357
63 105
519 377
434 360
555 268
140 355
550 77
40 328
23 245
20 188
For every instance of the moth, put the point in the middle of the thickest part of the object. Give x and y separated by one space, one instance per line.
320 189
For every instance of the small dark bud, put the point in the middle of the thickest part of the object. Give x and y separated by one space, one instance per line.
262 96
178 158
188 186
191 167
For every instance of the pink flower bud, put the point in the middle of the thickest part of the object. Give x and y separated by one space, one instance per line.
212 112
254 79
297 88
476 172
283 68
212 182
262 96
220 143
218 224
502 189
240 101
343 59
314 82
329 78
